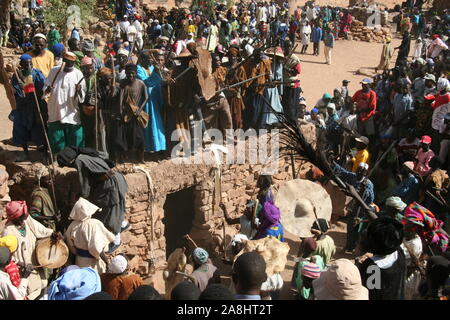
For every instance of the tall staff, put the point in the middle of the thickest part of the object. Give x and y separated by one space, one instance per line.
50 154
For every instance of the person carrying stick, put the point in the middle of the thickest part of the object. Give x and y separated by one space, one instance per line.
26 125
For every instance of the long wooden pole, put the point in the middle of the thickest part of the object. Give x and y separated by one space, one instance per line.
96 112
50 152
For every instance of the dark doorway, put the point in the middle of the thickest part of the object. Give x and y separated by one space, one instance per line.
178 216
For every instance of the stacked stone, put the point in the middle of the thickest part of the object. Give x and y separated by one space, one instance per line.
359 32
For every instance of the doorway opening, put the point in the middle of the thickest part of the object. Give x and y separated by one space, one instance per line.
178 216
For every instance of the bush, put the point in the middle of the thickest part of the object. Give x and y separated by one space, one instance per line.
63 12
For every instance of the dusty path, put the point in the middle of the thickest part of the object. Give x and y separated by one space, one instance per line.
5 109
347 57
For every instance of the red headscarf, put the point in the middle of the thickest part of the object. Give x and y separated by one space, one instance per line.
16 209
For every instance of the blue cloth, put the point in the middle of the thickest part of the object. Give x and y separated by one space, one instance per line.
25 57
328 40
26 122
276 231
155 139
75 285
408 189
402 105
248 297
58 49
332 122
273 95
364 187
316 34
75 34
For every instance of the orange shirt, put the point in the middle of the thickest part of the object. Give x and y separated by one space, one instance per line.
120 286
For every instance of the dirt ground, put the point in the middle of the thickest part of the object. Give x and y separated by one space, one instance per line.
347 57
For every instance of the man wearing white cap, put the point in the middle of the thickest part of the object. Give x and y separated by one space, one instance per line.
124 24
53 36
66 89
42 58
121 61
117 282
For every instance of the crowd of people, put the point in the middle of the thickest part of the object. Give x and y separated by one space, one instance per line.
94 102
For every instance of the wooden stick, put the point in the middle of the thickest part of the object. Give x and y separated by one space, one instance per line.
63 64
50 152
186 275
96 112
188 238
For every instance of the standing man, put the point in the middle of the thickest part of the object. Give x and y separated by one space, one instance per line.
364 187
316 37
386 55
291 93
366 104
64 124
53 36
130 133
42 59
328 40
404 48
26 122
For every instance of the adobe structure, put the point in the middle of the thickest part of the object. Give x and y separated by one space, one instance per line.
175 201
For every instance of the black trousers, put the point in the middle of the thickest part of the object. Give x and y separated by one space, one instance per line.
316 47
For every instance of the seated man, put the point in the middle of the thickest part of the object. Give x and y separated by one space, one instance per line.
8 291
205 272
28 231
117 281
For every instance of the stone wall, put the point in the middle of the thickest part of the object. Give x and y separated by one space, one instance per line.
145 211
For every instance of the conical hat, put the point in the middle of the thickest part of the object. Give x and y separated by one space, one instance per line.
51 255
297 200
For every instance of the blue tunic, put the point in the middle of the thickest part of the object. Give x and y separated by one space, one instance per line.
273 96
155 139
26 122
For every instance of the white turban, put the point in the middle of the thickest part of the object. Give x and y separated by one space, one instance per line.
396 203
238 238
442 84
118 264
363 165
123 52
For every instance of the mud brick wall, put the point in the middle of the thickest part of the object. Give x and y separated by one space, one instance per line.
238 186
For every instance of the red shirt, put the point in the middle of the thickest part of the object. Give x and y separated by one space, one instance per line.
13 271
366 104
439 100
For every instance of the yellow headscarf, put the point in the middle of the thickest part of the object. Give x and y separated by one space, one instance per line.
9 242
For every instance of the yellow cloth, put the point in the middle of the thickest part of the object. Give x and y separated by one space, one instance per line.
325 248
361 156
191 29
10 242
45 63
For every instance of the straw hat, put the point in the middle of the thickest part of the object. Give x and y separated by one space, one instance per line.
297 200
341 281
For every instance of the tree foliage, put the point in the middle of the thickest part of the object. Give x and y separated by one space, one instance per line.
56 11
